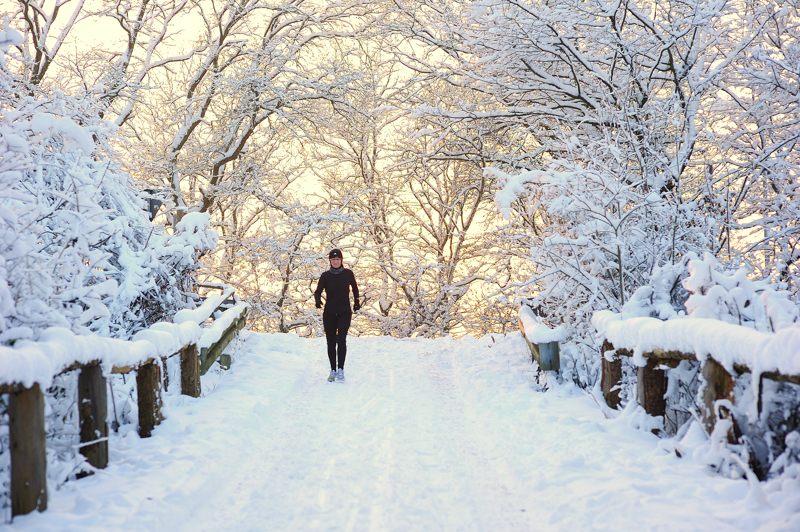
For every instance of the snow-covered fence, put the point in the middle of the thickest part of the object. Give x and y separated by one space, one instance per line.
28 368
541 339
725 350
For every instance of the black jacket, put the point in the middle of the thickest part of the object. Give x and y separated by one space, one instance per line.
337 291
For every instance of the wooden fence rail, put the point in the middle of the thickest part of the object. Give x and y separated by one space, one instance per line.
546 353
719 376
651 382
26 404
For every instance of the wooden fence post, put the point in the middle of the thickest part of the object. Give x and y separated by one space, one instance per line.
549 356
93 408
28 451
190 371
719 385
148 387
611 377
651 387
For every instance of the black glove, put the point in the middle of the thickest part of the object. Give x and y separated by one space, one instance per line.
318 304
356 306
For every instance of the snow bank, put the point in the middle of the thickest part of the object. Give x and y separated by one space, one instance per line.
537 332
169 338
220 325
39 362
726 343
202 313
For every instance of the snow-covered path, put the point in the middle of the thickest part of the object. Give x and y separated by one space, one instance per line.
424 435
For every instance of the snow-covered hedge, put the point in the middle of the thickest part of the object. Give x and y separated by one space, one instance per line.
77 250
696 306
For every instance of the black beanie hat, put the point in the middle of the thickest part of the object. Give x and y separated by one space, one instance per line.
335 253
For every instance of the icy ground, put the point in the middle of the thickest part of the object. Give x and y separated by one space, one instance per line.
424 435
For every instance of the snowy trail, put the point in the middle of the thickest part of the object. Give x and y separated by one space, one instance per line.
424 435
386 441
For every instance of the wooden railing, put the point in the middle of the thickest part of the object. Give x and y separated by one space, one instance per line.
719 372
719 368
34 363
651 381
546 353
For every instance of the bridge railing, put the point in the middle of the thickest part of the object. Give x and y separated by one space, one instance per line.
726 351
542 341
28 368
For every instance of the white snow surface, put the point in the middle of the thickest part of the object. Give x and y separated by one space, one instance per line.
204 311
424 435
30 362
537 332
215 331
726 343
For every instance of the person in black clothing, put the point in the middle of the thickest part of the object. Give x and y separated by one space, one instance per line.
336 283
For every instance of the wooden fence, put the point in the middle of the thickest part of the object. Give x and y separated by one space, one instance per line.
546 354
651 379
26 403
651 383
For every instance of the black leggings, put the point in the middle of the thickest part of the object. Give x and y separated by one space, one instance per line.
336 326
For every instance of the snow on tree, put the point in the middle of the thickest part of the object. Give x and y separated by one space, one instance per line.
618 105
594 235
755 169
79 250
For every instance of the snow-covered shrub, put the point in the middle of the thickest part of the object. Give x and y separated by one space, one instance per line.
789 459
705 289
599 232
734 298
767 434
155 271
664 296
51 224
77 250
